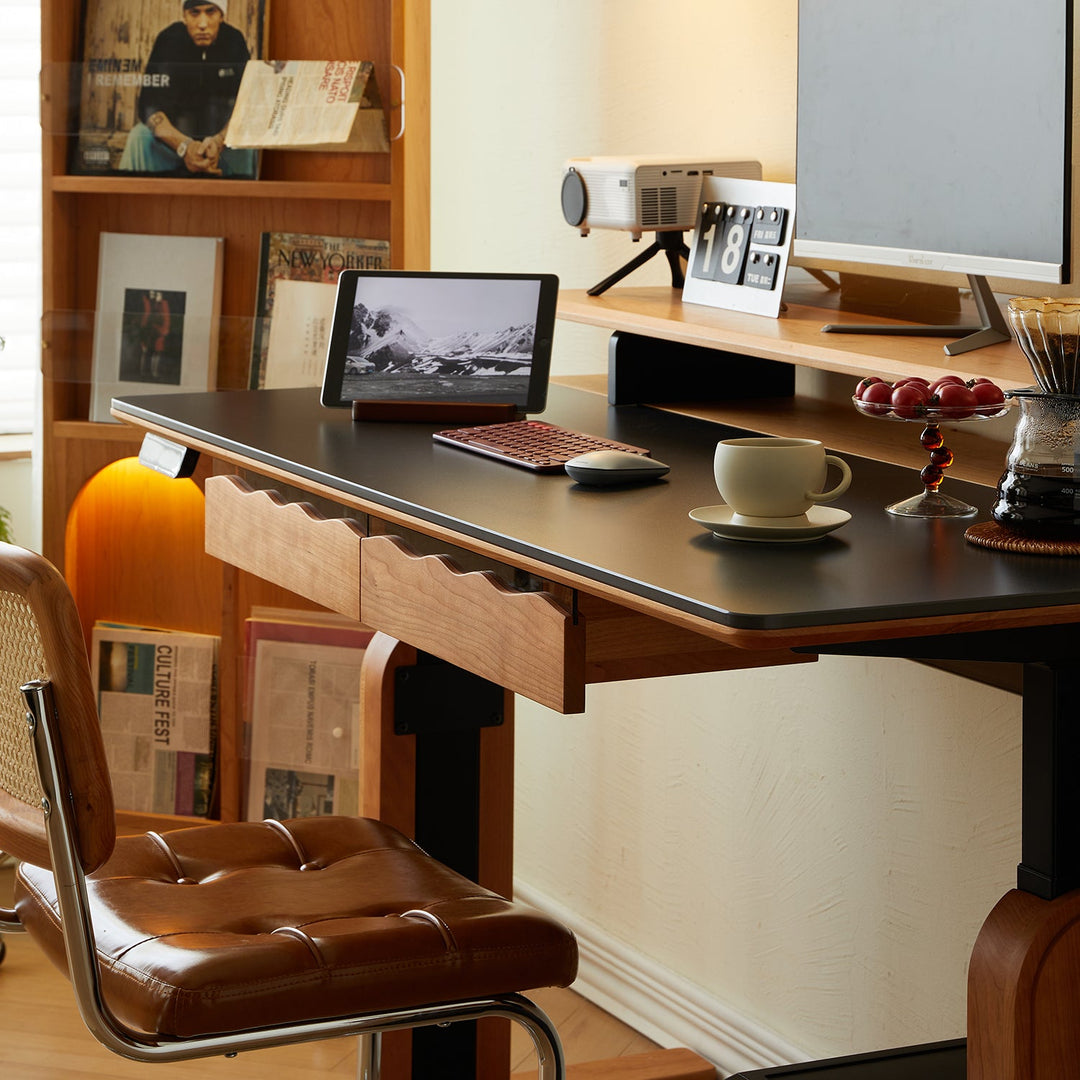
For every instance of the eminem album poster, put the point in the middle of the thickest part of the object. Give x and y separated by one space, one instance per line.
157 83
157 318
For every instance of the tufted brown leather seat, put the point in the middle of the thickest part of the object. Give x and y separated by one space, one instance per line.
224 928
222 938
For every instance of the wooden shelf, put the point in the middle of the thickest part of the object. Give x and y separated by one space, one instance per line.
338 190
89 429
795 337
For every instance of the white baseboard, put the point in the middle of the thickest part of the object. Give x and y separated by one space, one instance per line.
661 1004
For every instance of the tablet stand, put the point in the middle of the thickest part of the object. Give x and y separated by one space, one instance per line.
451 412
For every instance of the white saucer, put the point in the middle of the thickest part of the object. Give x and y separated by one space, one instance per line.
816 522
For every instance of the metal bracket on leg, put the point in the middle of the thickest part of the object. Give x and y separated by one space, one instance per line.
690 372
434 696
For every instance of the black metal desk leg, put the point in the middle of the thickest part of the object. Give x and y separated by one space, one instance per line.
444 708
438 764
1050 857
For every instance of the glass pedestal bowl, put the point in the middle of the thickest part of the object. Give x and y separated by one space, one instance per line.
931 502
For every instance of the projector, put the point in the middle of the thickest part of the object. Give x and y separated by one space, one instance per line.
639 193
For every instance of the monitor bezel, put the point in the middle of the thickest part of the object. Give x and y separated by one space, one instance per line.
811 251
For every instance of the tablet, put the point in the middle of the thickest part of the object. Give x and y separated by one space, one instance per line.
405 336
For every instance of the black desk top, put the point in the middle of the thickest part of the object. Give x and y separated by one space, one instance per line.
638 539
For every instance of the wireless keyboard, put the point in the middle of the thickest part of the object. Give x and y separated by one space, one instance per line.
532 444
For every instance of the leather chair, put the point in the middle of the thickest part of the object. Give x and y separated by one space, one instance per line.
229 937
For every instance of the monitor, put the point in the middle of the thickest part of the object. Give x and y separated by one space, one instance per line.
935 135
429 337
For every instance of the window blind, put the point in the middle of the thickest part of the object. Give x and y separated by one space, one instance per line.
20 213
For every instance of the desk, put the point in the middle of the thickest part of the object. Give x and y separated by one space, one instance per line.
594 595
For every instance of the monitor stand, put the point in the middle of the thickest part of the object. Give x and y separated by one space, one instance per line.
993 329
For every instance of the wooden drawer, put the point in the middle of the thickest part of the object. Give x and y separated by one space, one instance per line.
543 640
287 543
527 642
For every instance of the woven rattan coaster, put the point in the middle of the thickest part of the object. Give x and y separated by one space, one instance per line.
990 534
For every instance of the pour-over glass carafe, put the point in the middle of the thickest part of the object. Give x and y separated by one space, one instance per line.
1038 493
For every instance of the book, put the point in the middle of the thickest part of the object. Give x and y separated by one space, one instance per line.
309 105
157 317
157 700
298 275
303 706
156 78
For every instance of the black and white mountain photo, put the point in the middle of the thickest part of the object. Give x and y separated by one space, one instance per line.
445 339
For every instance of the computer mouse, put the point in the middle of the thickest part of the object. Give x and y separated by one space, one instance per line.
604 468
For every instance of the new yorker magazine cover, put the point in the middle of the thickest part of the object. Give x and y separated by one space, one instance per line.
157 83
310 264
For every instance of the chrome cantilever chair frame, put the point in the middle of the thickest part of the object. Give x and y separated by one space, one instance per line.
56 814
82 964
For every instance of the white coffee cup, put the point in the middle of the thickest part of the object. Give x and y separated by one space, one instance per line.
767 477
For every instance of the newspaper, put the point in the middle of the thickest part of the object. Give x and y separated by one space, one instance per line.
305 737
157 700
308 105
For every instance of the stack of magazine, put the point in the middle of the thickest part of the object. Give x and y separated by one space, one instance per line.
157 696
304 733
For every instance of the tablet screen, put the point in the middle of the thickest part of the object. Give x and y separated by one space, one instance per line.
437 337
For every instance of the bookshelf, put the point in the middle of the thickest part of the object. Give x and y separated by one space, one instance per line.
132 549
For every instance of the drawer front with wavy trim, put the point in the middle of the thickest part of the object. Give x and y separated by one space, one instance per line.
287 543
525 641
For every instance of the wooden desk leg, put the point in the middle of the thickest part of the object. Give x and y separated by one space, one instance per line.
1024 990
1024 977
443 774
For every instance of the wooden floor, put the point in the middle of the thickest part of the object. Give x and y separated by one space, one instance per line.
43 1038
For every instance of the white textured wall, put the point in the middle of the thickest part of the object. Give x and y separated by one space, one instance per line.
814 846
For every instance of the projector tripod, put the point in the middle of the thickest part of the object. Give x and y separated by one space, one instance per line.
670 243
